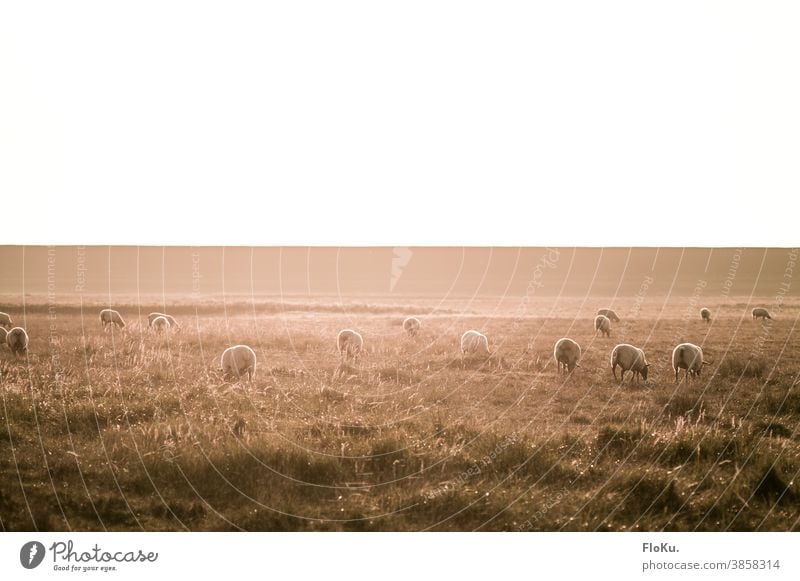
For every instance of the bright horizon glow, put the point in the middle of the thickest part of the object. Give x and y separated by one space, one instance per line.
441 123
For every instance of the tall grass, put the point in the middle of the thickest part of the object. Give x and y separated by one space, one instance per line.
124 433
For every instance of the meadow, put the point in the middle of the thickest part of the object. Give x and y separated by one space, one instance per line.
126 430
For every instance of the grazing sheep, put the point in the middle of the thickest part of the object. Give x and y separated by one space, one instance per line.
568 354
474 342
160 324
238 360
629 358
689 357
411 326
5 321
706 314
761 313
111 317
349 343
609 313
602 324
17 340
3 335
170 319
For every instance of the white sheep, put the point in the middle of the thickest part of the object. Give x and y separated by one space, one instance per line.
761 313
170 319
411 326
474 342
3 335
706 314
629 358
238 360
17 340
349 344
5 321
609 313
689 357
111 317
568 354
602 324
160 324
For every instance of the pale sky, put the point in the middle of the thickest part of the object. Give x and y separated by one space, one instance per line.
419 122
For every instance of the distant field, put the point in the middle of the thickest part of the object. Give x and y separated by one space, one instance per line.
128 431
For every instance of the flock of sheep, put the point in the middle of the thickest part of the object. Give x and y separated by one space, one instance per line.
687 356
240 360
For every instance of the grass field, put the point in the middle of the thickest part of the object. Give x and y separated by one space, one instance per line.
127 431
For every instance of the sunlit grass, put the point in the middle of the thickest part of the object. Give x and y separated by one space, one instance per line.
127 430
